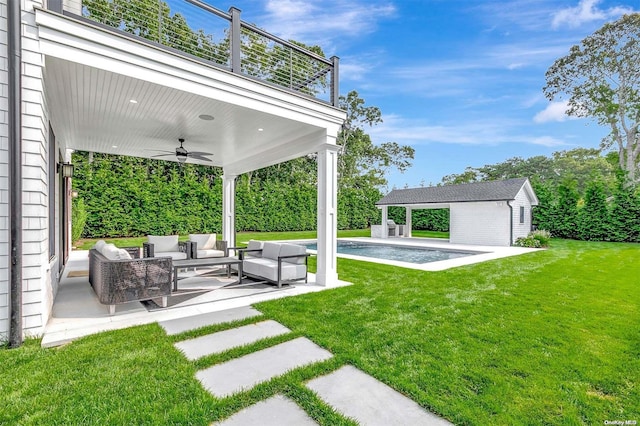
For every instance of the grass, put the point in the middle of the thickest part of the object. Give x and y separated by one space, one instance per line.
549 337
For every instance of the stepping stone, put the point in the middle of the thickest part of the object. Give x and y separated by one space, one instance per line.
225 340
275 411
245 372
180 325
368 401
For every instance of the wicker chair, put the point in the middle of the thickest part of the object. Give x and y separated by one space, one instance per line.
127 280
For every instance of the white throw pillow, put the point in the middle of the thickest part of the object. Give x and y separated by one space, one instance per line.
205 241
163 243
123 254
111 252
99 245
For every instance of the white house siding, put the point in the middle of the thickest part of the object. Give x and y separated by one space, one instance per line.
484 223
4 177
38 289
522 200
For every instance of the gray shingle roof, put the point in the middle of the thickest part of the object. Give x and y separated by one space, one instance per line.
498 190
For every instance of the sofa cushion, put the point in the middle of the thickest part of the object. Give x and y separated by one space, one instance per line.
271 250
210 253
291 249
205 241
175 255
112 252
163 243
255 245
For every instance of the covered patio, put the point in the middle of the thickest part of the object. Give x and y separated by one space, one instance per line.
112 91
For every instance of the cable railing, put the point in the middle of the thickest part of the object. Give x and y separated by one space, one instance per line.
202 32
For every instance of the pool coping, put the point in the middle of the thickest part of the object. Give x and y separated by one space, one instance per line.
486 252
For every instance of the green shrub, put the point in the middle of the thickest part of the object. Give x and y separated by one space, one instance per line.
542 235
78 218
535 239
528 241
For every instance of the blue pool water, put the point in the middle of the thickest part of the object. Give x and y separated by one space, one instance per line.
391 252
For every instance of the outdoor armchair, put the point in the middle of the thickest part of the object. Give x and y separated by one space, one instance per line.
166 246
207 245
118 277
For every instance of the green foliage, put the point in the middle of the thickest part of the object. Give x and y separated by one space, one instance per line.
78 218
422 219
600 79
593 217
527 242
565 212
535 239
625 211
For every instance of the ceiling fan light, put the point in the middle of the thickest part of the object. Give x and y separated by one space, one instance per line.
182 158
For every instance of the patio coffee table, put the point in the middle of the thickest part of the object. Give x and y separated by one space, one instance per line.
210 261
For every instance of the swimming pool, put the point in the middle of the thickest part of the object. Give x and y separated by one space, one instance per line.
394 252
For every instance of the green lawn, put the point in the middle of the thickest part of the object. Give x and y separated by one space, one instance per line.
550 337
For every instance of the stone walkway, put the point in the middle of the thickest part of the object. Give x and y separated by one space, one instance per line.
349 391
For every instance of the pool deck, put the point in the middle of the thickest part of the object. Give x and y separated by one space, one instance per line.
486 252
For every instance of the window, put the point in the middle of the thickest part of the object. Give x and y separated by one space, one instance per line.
521 214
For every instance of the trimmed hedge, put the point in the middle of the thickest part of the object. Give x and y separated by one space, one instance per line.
128 196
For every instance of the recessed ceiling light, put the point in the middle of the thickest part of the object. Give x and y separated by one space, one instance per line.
114 146
133 101
205 117
260 129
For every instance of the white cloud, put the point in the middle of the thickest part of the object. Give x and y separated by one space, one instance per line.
322 22
555 111
586 11
485 132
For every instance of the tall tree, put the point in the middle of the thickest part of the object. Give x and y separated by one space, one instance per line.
593 217
601 78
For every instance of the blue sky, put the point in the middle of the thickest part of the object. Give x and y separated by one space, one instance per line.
459 81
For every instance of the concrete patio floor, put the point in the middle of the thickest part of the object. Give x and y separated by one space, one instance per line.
77 311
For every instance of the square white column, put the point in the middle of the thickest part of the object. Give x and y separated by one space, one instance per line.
229 209
407 227
327 269
385 217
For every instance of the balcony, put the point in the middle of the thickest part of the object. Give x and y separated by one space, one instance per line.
203 33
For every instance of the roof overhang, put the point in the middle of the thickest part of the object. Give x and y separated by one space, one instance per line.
92 74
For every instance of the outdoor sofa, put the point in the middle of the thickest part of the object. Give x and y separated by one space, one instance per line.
120 275
279 263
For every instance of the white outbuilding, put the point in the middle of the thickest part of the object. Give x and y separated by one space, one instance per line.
484 213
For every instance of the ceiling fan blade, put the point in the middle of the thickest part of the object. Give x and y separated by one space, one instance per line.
199 157
199 153
164 155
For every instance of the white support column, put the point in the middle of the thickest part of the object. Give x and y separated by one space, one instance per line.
229 209
327 268
385 217
407 227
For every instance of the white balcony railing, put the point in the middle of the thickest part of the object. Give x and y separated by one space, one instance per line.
198 30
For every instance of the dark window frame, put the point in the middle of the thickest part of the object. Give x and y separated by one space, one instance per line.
521 214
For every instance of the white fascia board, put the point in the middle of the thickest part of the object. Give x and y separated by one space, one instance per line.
75 41
530 193
304 145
